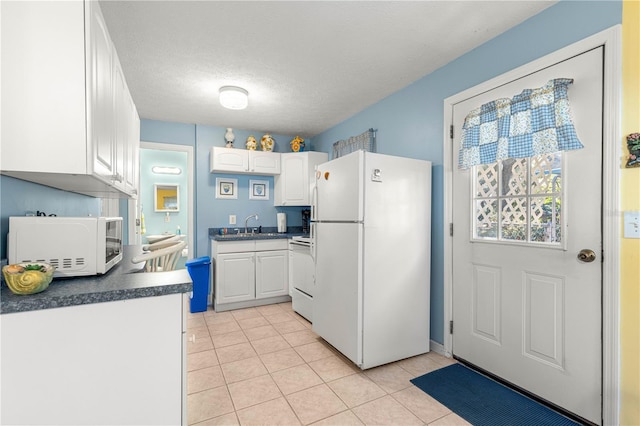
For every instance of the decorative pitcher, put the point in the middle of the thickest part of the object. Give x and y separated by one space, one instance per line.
267 142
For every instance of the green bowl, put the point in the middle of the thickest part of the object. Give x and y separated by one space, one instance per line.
28 278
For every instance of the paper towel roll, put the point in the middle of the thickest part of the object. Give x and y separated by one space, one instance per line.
282 222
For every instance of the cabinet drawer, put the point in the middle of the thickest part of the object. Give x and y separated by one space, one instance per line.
233 246
276 244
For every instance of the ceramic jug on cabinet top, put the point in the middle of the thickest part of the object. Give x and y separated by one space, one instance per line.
267 142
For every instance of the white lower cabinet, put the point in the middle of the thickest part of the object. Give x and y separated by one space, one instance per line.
249 273
116 363
272 273
235 277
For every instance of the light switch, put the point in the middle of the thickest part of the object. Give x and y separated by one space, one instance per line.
232 219
632 224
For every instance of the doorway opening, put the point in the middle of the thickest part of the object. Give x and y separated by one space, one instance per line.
164 166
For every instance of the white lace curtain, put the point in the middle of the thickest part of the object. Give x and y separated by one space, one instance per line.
365 141
536 121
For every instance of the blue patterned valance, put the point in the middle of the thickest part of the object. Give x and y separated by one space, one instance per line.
365 141
537 121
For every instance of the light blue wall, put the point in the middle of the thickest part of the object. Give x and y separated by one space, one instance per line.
19 196
214 213
211 212
410 121
165 132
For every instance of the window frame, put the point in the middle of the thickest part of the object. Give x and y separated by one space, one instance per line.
499 198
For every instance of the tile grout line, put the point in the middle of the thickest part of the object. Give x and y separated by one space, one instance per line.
281 334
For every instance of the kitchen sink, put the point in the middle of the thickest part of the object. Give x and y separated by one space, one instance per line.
250 236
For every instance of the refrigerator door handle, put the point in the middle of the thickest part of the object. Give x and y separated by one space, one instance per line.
314 201
313 242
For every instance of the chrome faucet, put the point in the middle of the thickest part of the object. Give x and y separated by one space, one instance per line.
247 220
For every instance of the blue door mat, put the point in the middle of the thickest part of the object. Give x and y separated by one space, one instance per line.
482 401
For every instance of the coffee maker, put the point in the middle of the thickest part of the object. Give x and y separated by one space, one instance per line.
306 220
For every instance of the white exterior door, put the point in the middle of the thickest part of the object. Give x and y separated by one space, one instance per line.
525 308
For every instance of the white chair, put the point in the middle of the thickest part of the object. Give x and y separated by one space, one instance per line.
162 243
159 237
162 259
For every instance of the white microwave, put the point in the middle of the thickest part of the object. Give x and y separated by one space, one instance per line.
76 246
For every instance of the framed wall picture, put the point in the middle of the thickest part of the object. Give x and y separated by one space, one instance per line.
258 189
227 188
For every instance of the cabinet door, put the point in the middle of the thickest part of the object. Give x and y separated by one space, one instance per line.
78 364
272 273
122 122
127 134
229 160
292 186
267 163
43 110
235 277
100 93
132 157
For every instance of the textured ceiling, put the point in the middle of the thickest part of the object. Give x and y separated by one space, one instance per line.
307 65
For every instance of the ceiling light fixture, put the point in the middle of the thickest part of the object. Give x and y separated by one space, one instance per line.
233 97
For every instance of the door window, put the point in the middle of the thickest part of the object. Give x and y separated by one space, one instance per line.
519 201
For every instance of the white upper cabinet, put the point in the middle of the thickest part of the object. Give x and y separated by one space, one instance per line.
68 120
294 185
264 162
127 131
104 82
234 160
229 160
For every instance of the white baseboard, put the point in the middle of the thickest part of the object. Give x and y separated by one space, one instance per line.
438 348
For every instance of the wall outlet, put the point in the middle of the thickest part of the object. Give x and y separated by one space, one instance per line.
632 224
232 219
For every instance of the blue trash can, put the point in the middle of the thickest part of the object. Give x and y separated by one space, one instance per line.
199 271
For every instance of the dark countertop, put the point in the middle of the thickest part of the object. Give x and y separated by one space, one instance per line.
267 234
124 281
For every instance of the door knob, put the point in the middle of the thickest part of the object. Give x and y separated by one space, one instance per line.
586 255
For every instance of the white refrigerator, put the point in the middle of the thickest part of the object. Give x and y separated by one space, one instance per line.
371 243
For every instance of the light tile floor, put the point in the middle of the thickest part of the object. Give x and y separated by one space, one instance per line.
264 365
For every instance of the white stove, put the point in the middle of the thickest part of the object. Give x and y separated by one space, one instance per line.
301 276
306 241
